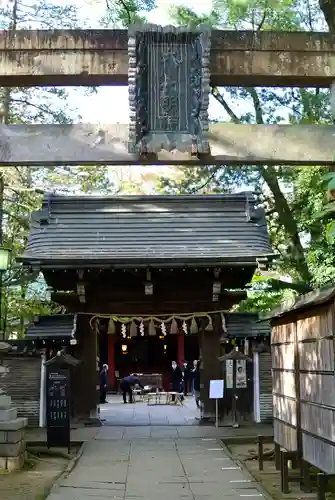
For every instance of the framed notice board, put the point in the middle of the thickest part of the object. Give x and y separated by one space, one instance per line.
58 407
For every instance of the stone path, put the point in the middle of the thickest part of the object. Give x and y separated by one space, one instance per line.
115 413
155 469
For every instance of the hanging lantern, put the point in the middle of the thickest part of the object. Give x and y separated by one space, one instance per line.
184 327
111 327
124 330
163 328
173 327
209 327
152 328
142 329
194 326
133 329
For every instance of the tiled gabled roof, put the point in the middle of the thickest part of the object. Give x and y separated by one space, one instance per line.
53 326
137 230
244 324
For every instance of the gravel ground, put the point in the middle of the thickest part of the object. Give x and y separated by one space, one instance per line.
269 478
34 481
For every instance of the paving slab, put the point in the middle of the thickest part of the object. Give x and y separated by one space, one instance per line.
142 414
144 468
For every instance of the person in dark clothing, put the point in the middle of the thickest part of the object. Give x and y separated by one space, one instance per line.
176 378
192 374
187 379
197 384
126 386
103 384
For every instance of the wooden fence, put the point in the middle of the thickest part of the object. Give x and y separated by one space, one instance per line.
304 382
284 387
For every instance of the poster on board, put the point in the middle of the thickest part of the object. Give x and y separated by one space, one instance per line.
241 374
229 374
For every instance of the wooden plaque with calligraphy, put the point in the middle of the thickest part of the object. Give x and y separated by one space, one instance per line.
168 81
58 407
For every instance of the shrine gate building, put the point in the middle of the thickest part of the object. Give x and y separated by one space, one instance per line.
147 279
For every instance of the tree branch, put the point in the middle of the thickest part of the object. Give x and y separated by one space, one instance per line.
41 107
216 94
284 104
210 178
299 287
260 26
257 105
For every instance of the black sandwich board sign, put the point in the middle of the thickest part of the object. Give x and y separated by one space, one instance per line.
58 406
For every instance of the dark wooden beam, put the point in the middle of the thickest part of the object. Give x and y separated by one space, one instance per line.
137 308
119 284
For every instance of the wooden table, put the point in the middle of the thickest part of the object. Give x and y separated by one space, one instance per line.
164 398
137 392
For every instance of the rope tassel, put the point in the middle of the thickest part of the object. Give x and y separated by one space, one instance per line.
209 327
152 328
194 327
111 327
133 329
173 327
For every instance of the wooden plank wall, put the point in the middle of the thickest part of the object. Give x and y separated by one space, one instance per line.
315 337
284 386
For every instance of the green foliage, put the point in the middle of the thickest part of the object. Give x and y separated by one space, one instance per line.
23 296
292 196
186 17
126 12
327 212
262 297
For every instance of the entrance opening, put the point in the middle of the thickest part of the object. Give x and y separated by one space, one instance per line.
151 358
146 355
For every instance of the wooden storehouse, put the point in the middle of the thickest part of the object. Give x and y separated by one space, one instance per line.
141 262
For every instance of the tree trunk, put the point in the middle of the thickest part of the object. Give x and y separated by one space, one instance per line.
287 220
328 9
285 215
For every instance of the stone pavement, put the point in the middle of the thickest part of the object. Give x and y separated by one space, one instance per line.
143 421
141 414
155 469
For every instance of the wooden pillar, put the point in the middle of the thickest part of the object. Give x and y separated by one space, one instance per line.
209 369
181 349
111 362
86 381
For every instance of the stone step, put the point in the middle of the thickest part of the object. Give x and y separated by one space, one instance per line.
5 401
11 436
12 464
13 425
7 414
12 449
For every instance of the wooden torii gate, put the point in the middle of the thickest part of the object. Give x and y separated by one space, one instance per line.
169 72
